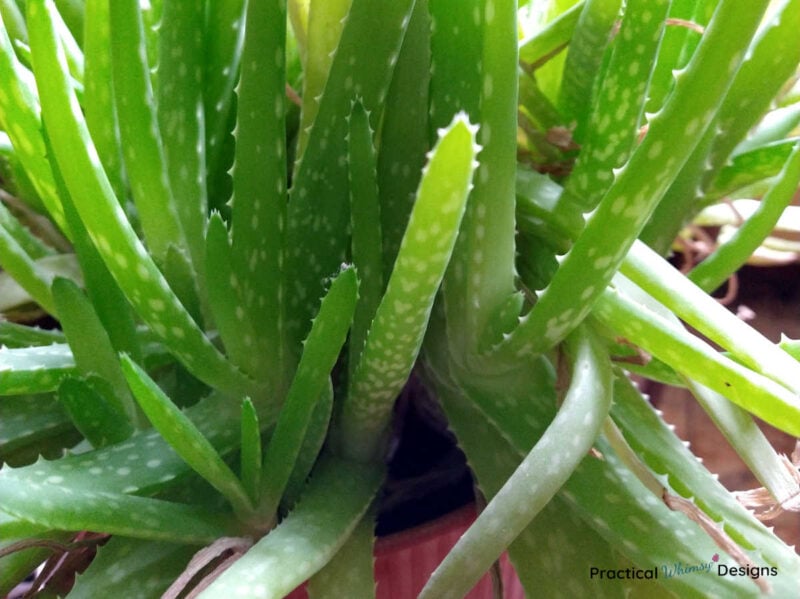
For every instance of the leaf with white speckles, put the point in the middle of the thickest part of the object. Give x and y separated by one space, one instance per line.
132 569
25 271
21 114
395 337
365 220
19 335
333 503
27 420
749 167
318 212
128 261
34 369
320 352
620 217
185 438
538 477
143 150
258 248
58 505
32 245
617 112
94 409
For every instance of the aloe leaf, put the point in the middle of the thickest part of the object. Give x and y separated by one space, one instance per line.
770 62
94 408
72 50
34 369
617 112
225 298
404 132
749 167
224 35
540 475
365 219
128 261
551 39
316 435
182 125
91 347
29 243
318 211
251 451
25 271
185 438
28 419
21 336
351 571
733 254
324 22
14 22
396 333
697 360
666 454
774 127
621 215
690 303
143 150
584 57
320 351
132 568
19 106
259 189
308 538
54 505
99 106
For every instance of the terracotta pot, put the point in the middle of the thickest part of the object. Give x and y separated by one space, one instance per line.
404 561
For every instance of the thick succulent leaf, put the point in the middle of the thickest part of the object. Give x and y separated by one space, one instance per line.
182 124
331 507
91 347
749 167
618 109
736 250
27 419
320 352
13 21
21 336
94 408
132 568
404 132
539 476
184 437
128 261
259 190
98 104
32 245
365 222
318 210
143 150
34 369
536 49
699 361
351 571
51 504
584 57
20 118
611 230
25 271
397 331
687 301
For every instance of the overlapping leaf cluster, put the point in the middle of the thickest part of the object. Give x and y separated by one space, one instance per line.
251 219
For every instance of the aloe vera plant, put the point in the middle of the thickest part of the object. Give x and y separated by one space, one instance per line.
252 220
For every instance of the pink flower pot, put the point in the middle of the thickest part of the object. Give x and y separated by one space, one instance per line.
404 561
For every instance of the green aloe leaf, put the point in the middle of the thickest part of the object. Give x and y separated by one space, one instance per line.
320 351
251 451
93 406
365 221
25 271
396 333
551 39
185 438
29 243
537 479
34 369
259 191
128 261
308 538
143 150
21 336
749 167
27 420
